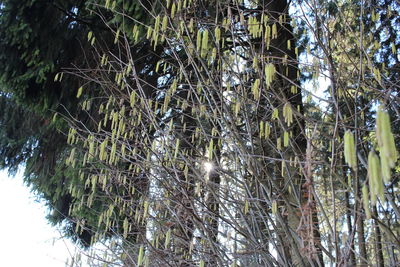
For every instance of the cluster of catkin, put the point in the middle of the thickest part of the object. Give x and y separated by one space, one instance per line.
379 167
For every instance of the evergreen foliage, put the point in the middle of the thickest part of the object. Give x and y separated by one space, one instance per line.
40 43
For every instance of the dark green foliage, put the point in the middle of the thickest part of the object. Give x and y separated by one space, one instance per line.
16 134
38 40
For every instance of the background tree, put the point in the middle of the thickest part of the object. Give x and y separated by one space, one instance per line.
40 41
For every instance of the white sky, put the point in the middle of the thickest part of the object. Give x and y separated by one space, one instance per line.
26 239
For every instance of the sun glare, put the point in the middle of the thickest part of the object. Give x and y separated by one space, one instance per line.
208 166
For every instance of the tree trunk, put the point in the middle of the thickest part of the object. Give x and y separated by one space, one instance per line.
361 236
352 258
378 241
300 205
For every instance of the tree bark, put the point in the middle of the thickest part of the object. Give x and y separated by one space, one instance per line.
380 262
352 258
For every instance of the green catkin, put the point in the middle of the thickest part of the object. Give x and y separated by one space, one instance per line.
285 139
198 40
274 207
375 180
366 202
288 114
267 130
350 150
140 256
387 147
256 89
204 44
269 74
